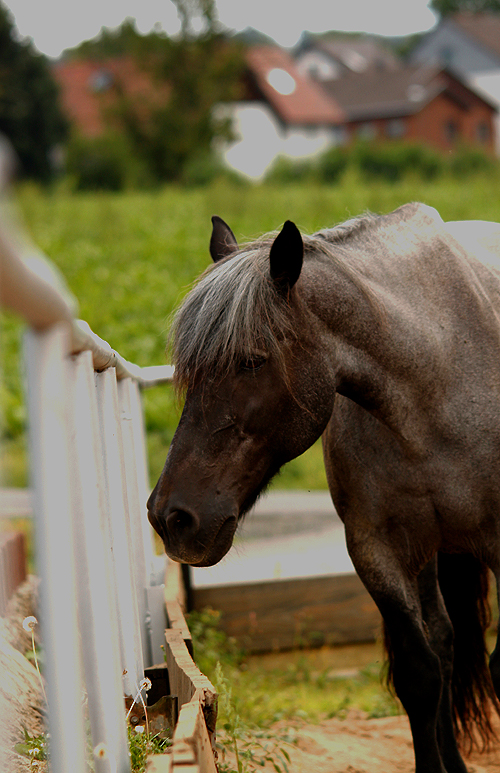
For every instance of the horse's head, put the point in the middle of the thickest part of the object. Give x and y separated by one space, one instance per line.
248 355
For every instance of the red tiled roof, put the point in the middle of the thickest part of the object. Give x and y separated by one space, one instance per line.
296 99
89 87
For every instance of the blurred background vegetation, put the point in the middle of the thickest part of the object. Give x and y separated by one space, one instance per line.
126 217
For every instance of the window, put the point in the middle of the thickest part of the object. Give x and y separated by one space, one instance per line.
451 131
367 131
395 128
482 132
100 81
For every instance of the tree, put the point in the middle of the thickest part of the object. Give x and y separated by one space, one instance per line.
30 116
190 73
449 7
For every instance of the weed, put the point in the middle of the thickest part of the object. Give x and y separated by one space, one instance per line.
141 745
34 747
251 747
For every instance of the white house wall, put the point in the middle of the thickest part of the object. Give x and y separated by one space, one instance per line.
261 139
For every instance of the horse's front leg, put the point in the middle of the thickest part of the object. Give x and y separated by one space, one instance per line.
415 666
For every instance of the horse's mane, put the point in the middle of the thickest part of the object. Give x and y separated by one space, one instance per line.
234 310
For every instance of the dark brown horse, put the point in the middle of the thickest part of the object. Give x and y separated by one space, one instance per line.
381 335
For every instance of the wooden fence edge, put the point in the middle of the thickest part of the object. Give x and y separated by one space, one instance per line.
12 566
193 748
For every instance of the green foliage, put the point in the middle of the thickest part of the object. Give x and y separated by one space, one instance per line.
106 163
130 257
171 138
390 161
449 7
287 170
211 645
33 747
251 747
29 111
141 745
118 41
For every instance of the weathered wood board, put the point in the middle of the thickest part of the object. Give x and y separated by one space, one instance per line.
12 565
283 614
194 736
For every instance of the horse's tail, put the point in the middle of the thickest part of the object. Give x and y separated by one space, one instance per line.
464 583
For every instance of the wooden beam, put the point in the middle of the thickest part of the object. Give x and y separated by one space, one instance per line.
192 745
283 614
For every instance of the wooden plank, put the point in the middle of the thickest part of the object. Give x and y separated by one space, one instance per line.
282 614
175 602
174 585
186 679
192 745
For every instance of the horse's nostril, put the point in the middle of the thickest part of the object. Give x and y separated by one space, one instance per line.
180 522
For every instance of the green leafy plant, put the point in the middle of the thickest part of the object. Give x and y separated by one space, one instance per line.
141 745
251 747
34 747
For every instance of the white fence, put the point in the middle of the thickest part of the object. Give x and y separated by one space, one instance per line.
102 604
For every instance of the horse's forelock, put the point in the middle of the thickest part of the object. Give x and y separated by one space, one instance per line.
232 311
234 308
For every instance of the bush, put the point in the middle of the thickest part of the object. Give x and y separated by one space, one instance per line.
467 161
392 161
104 163
332 164
286 170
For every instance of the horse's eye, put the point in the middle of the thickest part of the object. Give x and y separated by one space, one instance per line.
252 363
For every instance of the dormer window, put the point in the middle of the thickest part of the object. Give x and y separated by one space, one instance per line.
100 81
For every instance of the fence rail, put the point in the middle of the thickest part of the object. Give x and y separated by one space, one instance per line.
102 596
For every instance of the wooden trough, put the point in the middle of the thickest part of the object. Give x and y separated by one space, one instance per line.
284 614
193 749
289 582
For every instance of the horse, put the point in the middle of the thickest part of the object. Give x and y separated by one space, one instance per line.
380 335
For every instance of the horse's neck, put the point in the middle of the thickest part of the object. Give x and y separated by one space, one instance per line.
386 353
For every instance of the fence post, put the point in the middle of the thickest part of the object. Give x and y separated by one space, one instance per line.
47 381
101 650
118 509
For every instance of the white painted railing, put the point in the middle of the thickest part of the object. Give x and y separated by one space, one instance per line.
102 610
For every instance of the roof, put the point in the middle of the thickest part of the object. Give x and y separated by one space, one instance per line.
395 93
483 27
296 99
356 54
88 86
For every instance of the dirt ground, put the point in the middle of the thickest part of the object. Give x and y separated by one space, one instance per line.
359 745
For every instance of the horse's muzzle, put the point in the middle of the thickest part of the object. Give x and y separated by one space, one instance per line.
187 541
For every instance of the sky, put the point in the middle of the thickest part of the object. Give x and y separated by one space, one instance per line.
54 25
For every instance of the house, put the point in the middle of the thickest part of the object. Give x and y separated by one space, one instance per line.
469 45
424 104
332 56
285 111
282 112
466 43
90 90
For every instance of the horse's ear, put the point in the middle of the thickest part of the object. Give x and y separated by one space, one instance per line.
223 241
286 257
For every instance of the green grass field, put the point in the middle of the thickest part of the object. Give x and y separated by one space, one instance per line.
130 257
